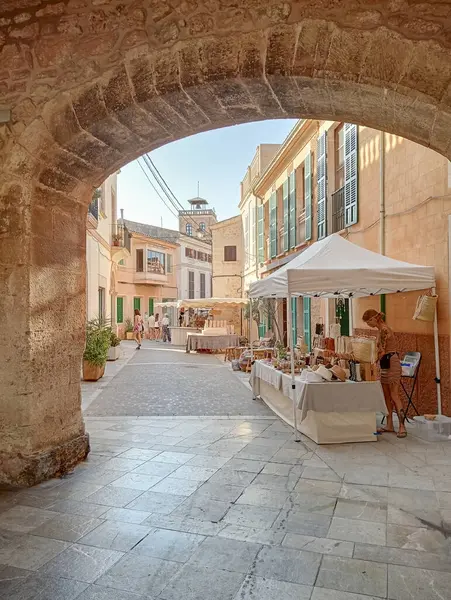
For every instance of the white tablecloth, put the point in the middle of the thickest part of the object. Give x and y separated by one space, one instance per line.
333 396
197 341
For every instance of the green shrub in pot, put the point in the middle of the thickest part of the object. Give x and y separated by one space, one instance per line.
98 341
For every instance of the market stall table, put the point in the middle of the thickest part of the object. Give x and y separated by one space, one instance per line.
328 413
198 341
179 334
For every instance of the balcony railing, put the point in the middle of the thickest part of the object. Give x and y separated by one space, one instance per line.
120 236
155 266
198 211
338 210
93 208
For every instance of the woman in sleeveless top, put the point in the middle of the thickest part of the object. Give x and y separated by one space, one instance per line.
390 370
137 328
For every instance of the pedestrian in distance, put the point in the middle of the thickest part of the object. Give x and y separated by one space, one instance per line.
151 325
137 328
157 327
166 330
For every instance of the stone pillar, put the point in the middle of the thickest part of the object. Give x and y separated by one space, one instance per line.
42 316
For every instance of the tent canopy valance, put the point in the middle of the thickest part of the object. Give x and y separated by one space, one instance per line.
173 304
335 267
214 302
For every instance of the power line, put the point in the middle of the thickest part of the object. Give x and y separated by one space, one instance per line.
166 189
155 189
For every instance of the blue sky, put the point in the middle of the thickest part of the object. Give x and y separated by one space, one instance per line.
218 159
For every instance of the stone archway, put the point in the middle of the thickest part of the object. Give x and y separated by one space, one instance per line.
92 84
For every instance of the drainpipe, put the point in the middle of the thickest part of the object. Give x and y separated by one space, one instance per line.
382 207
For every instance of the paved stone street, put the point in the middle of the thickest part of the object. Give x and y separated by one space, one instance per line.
229 508
163 380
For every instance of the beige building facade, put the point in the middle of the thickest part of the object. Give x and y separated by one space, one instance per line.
107 243
228 262
148 275
331 177
228 258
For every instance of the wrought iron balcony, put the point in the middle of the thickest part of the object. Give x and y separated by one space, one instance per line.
120 236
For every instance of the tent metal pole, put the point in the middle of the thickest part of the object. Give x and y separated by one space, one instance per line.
293 380
437 362
250 330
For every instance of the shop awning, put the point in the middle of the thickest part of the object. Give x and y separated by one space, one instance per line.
214 302
335 267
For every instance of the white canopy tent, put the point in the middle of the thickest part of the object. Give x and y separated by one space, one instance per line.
334 268
213 302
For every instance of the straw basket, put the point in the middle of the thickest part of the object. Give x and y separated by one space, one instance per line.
425 308
364 350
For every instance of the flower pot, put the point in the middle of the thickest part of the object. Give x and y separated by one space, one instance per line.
129 335
114 352
92 372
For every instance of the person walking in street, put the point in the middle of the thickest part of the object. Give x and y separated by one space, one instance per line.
166 330
151 325
137 328
157 327
390 365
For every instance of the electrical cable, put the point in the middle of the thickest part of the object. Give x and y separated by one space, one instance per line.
155 189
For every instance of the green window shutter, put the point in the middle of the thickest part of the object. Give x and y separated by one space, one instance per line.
260 233
119 310
351 174
294 320
151 305
307 329
292 206
308 196
273 225
286 216
137 303
322 181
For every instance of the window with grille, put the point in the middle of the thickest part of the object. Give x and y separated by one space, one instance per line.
202 226
190 284
189 229
229 253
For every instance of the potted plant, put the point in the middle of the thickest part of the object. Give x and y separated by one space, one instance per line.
128 329
98 336
114 351
117 239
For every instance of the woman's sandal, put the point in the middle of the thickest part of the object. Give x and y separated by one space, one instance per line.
384 430
401 434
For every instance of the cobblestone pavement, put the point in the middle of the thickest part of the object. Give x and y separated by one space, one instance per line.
163 380
232 509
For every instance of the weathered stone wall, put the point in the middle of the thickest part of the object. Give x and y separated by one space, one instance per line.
92 84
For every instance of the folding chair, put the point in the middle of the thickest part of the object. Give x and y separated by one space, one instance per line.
410 364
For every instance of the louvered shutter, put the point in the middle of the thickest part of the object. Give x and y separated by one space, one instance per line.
260 234
322 191
308 196
286 216
119 309
292 205
351 175
137 303
273 225
151 305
